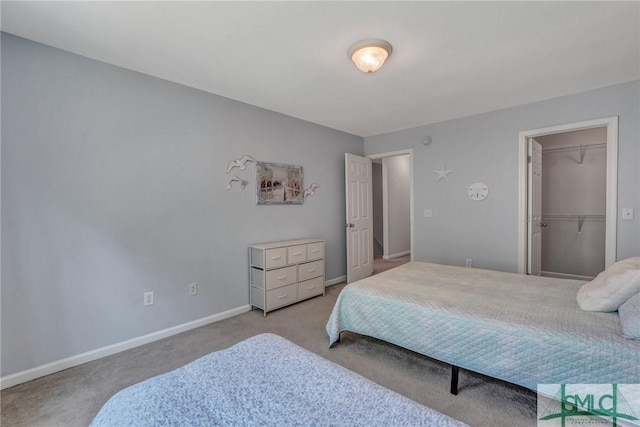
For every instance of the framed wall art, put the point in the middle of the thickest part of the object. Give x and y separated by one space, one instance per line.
278 184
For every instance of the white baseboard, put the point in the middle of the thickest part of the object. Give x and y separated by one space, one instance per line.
70 362
398 255
565 275
335 281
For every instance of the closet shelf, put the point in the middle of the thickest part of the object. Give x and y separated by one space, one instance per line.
573 147
581 147
574 217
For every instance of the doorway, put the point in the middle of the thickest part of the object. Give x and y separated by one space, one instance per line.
573 233
391 209
574 166
359 211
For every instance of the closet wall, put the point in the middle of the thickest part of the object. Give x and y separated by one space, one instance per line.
398 174
378 214
574 202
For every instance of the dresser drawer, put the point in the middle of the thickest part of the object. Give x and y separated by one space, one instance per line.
282 296
276 257
315 251
281 277
311 288
310 270
296 254
257 298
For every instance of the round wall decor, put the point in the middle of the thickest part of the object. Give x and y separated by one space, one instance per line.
478 191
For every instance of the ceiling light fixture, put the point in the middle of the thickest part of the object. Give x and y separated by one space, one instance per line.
369 55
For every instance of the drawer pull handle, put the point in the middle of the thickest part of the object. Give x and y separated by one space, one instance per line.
311 287
276 257
282 277
297 254
283 296
311 270
315 251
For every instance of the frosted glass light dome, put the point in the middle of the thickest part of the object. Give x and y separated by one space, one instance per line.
370 55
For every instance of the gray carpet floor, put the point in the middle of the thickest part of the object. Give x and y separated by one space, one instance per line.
72 397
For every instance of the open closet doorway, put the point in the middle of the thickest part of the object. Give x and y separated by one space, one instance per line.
568 199
392 200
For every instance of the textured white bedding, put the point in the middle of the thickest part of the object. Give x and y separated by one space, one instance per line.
518 328
264 381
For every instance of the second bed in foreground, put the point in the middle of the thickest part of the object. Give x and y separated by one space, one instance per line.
264 381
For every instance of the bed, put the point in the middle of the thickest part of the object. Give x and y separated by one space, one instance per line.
263 381
522 329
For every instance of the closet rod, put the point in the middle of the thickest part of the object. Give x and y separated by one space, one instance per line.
573 216
580 218
574 147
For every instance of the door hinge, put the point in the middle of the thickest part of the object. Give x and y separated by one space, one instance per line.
528 159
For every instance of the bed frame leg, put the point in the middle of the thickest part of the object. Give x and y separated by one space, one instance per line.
454 380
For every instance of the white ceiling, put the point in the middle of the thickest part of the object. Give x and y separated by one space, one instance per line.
450 59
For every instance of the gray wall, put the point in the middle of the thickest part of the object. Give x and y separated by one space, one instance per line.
484 148
571 188
113 184
398 206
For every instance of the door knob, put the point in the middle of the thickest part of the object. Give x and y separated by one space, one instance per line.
349 225
542 224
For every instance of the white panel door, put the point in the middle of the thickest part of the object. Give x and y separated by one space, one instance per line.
359 217
534 216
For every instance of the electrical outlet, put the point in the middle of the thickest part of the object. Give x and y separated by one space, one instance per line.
468 263
193 289
148 298
428 213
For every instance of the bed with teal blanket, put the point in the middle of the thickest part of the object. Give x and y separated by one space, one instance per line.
264 381
522 329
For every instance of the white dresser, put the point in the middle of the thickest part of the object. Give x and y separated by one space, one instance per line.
283 273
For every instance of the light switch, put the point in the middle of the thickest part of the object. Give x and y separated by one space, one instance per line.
428 213
627 213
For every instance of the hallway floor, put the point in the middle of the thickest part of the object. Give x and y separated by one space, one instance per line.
380 264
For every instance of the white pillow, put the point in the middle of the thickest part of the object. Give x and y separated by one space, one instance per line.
611 288
630 317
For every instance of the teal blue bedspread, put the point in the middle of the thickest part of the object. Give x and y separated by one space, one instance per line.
522 329
264 381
